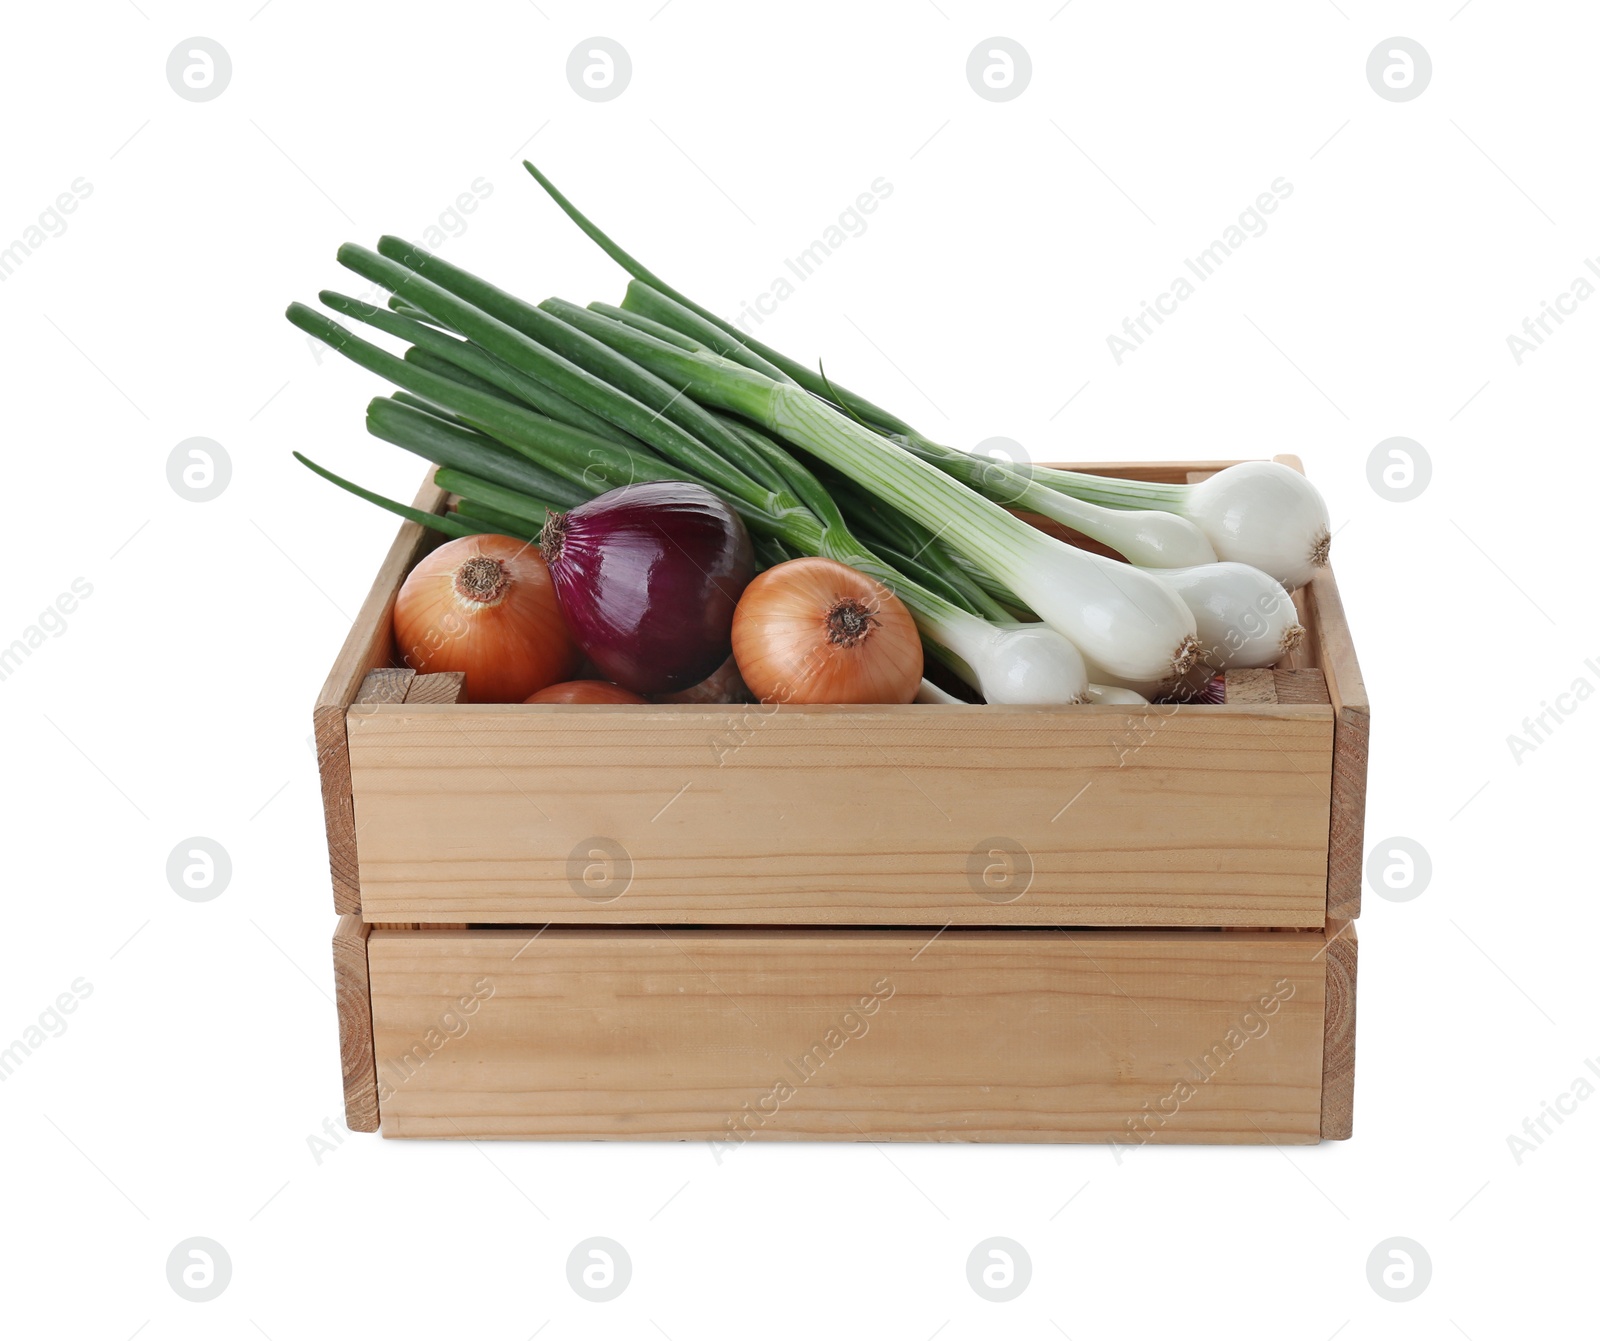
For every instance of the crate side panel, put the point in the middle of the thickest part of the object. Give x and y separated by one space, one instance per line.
732 1035
1085 816
367 647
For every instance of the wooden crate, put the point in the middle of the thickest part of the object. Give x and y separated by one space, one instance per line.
1119 864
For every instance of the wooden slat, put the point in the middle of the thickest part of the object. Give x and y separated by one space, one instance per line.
1352 729
1300 686
1204 816
973 1035
367 646
1333 650
1249 686
353 996
1275 686
387 684
1339 1033
439 687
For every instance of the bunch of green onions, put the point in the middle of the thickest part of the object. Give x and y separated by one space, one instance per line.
531 409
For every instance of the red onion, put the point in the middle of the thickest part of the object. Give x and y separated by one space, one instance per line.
647 577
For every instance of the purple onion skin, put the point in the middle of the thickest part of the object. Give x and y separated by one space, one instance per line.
647 577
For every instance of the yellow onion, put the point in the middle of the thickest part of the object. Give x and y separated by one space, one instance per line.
485 605
815 631
584 691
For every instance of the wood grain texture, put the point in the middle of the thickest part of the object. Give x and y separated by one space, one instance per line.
1300 686
1275 686
353 997
1249 685
1352 730
386 684
1331 648
368 645
1339 1033
814 1034
438 687
1162 816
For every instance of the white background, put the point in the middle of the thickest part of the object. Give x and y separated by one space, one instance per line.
181 1096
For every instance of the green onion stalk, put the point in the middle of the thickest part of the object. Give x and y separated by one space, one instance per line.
513 461
1261 513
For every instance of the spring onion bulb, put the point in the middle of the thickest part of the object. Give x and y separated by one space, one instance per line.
928 692
1107 693
1262 513
1024 663
1190 687
1130 623
1243 617
1092 693
1146 537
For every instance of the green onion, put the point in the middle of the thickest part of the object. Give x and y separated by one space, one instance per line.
1007 663
497 521
1261 513
435 440
507 502
479 362
451 526
1120 618
559 336
812 382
